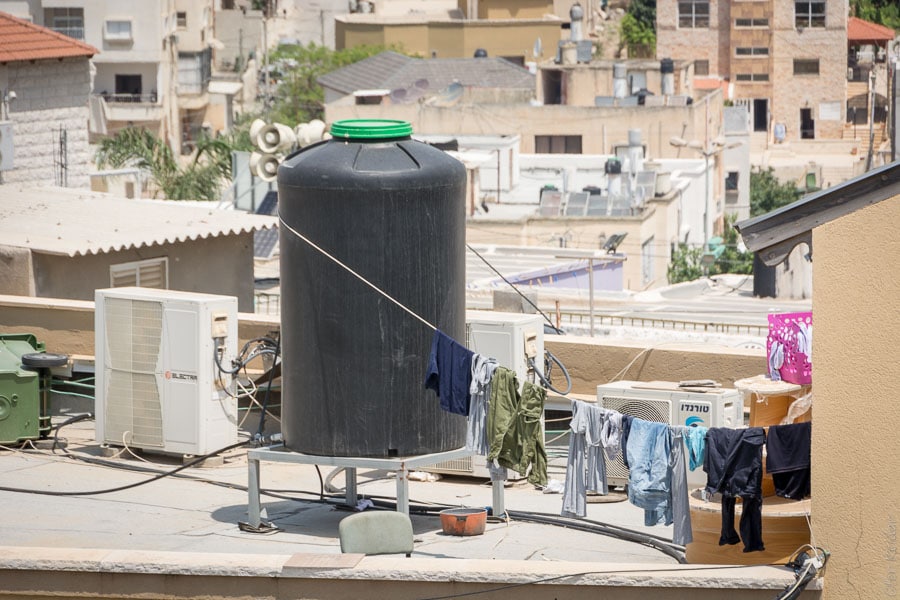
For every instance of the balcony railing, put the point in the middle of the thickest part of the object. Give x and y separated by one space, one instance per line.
150 98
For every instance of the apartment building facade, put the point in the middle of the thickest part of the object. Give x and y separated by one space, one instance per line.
154 64
786 59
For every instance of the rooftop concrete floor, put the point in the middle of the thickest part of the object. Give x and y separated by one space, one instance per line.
199 510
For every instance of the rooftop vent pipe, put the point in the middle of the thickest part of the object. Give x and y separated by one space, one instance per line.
576 15
667 71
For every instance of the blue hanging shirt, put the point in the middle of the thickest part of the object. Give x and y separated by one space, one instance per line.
450 373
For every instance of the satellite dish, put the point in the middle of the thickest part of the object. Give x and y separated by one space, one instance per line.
538 49
399 96
421 84
450 96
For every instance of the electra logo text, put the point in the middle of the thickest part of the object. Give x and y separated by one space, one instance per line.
181 376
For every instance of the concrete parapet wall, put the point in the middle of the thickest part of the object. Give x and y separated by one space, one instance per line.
593 361
67 327
40 573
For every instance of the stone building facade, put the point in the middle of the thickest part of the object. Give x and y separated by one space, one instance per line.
45 85
785 59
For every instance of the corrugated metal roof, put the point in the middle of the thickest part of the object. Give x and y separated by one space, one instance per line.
70 222
391 70
21 40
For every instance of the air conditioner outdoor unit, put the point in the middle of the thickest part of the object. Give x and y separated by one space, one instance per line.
157 384
511 338
665 402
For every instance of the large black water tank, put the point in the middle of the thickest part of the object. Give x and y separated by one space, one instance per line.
353 362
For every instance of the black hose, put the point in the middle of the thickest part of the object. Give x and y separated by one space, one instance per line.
69 421
265 403
120 488
545 381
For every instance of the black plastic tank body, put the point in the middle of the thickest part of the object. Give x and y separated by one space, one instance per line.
353 362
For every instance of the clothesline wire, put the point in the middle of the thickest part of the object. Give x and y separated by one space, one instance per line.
394 300
355 274
508 282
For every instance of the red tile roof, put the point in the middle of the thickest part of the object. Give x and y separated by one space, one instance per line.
21 40
860 31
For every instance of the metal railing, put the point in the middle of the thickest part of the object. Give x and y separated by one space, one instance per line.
270 304
582 319
150 98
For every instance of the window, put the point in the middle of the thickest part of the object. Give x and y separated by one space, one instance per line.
756 51
67 21
731 181
118 30
693 13
557 144
806 66
150 273
701 67
752 77
181 20
809 14
751 22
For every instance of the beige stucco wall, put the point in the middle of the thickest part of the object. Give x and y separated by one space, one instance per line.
600 127
855 487
591 361
67 326
220 265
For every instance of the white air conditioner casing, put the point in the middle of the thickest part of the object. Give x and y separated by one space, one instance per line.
665 402
511 338
157 384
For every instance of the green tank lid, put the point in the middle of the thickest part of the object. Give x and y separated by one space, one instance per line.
370 129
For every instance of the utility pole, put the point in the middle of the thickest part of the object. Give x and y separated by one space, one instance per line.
871 120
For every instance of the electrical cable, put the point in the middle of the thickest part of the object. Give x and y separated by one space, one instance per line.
508 282
549 359
265 403
120 488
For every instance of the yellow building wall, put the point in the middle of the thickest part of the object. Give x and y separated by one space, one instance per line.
514 9
408 38
454 39
856 444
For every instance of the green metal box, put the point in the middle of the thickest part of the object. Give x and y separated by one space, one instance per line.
20 389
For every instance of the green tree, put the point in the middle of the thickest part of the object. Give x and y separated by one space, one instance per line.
724 257
298 97
768 193
883 12
199 179
638 28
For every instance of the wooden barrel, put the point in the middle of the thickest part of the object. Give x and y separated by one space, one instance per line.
784 530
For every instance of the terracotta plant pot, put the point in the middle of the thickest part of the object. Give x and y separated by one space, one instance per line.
463 521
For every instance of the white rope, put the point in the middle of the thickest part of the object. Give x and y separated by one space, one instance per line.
354 273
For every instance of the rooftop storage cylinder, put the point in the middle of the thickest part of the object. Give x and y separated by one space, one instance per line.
620 80
354 361
667 74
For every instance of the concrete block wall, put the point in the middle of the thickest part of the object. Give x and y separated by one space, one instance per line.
51 95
